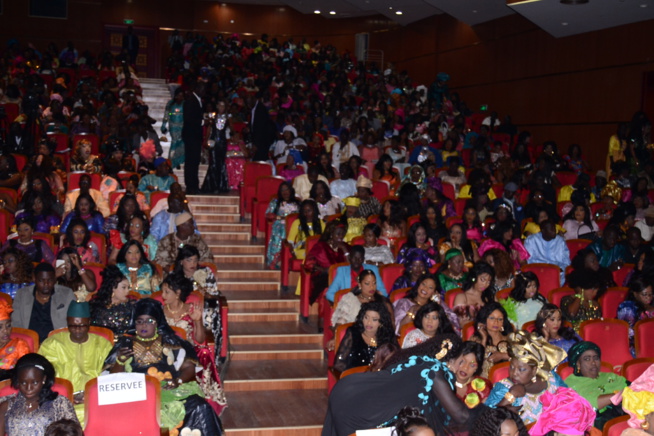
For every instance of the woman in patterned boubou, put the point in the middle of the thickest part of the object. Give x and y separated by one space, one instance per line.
204 281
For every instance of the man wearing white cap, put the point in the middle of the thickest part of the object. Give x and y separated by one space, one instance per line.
185 235
289 143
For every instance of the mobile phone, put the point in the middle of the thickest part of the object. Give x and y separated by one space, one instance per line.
59 262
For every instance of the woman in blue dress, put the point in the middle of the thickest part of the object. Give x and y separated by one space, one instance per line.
278 209
549 325
174 118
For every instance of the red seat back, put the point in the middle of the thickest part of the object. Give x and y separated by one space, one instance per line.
576 245
389 273
616 426
634 368
612 336
566 177
398 294
548 275
498 372
29 336
380 189
451 295
62 141
448 191
21 160
611 300
252 171
468 330
643 334
156 197
96 269
100 241
620 275
556 295
141 417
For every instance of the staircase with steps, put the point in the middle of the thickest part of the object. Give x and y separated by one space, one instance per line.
275 380
276 375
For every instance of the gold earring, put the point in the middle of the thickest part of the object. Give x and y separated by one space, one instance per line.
534 379
645 425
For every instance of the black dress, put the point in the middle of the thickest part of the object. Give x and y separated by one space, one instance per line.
373 399
216 181
353 351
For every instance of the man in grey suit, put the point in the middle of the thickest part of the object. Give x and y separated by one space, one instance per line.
42 307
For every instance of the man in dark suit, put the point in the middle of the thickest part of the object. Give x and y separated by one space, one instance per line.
261 128
192 136
131 44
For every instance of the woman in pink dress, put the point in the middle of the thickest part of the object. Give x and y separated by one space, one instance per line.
370 152
235 160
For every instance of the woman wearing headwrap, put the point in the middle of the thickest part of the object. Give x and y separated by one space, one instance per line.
152 347
369 205
565 413
638 402
415 266
416 176
531 375
451 275
11 349
419 376
595 386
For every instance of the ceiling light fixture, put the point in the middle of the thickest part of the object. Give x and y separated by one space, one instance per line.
574 2
332 12
398 12
316 11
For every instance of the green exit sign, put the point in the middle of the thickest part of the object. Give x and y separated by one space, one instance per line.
128 21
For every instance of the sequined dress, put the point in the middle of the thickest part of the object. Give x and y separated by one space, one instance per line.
235 161
116 318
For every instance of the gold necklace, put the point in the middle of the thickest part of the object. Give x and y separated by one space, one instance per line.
373 341
174 312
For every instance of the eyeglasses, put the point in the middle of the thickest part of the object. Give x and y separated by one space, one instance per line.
145 321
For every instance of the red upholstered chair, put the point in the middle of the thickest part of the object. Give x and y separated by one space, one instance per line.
612 336
399 242
141 417
100 241
498 372
380 189
29 336
266 188
619 275
123 177
156 197
616 426
389 273
92 137
468 330
556 295
576 245
102 331
96 269
7 298
12 110
529 326
451 295
339 334
251 171
566 177
325 307
398 294
21 160
73 180
503 294
305 282
564 369
404 330
448 191
61 386
611 300
460 205
643 333
11 193
633 369
548 275
48 239
6 221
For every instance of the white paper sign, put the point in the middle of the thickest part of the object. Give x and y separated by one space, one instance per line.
121 387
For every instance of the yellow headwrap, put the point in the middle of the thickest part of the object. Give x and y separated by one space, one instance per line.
535 351
352 201
637 404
